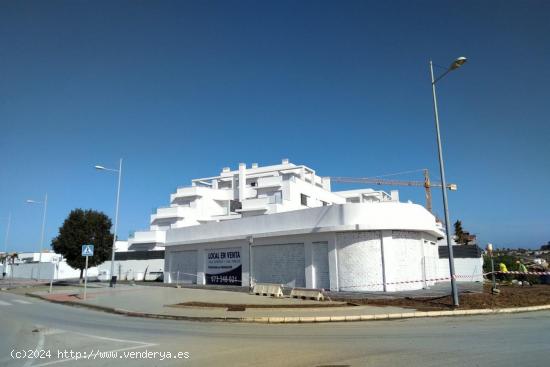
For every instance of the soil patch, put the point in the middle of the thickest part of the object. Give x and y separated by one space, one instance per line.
510 296
241 305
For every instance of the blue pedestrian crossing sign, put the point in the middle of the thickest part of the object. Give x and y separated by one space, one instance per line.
87 250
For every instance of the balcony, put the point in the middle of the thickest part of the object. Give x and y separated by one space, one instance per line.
254 205
197 192
269 182
174 212
147 237
188 192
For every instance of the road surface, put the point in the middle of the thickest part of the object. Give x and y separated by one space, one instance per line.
57 330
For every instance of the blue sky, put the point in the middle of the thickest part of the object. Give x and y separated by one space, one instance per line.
179 89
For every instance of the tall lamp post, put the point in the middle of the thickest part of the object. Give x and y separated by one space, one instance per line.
119 171
45 203
455 65
5 269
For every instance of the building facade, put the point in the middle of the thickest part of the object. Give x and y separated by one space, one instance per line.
283 224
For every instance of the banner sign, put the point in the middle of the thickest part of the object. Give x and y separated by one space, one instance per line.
223 266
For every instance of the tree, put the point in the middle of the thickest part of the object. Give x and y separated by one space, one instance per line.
461 236
459 232
84 227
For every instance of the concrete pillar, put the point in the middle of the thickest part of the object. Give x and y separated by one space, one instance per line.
333 263
394 195
423 262
326 183
201 277
242 181
310 271
246 262
167 266
385 245
234 187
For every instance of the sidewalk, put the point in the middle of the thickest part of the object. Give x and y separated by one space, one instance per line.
162 301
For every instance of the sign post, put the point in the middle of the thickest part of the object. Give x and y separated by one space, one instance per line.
87 251
56 271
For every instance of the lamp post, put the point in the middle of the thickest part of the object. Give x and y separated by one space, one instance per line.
45 203
490 252
119 171
5 269
455 65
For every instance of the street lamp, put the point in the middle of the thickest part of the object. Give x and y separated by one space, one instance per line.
455 65
5 269
494 289
45 203
119 171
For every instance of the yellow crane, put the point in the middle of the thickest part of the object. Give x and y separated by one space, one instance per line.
427 184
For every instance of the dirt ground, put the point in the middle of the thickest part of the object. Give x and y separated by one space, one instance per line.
234 305
510 296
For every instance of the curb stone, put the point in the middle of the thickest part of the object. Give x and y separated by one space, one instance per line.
301 319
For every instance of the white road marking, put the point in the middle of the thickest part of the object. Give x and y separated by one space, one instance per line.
57 331
22 302
53 331
111 339
2 303
107 352
39 346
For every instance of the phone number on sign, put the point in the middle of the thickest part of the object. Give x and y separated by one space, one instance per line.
224 279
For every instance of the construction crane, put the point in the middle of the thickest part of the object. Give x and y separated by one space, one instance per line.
427 184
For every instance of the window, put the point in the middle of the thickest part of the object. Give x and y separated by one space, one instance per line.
234 205
183 202
324 203
276 197
303 199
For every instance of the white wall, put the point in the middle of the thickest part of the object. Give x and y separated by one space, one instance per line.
467 269
35 256
404 260
48 270
359 261
431 259
131 269
346 261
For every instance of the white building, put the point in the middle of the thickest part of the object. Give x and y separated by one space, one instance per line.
134 262
283 224
48 265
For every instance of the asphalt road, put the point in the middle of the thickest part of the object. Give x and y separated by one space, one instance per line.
495 340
